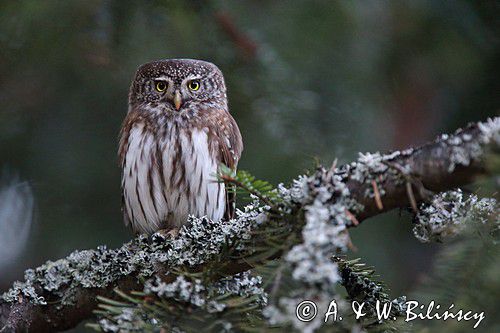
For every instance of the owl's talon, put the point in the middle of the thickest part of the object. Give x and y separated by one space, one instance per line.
169 233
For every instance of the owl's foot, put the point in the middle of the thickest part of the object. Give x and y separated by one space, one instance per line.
169 233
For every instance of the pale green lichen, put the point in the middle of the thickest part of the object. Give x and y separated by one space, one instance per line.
326 202
196 293
181 290
449 213
128 320
198 241
87 269
221 297
243 285
466 149
490 130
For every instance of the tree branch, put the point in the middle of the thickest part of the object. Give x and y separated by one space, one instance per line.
59 295
448 162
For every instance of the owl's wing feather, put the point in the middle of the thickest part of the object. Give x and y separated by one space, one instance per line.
129 121
230 148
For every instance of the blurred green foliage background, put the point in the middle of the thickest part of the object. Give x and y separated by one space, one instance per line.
306 80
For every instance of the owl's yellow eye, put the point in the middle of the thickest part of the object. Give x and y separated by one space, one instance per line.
160 86
194 85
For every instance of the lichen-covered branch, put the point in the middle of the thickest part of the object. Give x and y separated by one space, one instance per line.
305 226
449 213
448 162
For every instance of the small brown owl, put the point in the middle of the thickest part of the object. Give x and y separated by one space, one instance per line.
177 132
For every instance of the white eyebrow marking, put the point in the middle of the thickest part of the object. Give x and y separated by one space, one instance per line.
163 77
191 78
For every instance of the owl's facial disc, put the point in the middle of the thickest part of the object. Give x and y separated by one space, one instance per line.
169 91
178 93
178 85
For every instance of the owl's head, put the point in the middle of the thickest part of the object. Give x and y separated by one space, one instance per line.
177 85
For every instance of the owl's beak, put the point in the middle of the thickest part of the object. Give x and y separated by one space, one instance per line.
177 100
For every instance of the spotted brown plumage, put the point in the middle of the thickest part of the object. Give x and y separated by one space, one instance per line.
177 132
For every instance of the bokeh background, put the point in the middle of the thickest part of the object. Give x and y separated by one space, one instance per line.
308 81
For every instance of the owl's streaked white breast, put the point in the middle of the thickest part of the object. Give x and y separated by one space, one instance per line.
168 177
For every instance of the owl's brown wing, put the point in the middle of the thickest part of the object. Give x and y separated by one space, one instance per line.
230 148
131 119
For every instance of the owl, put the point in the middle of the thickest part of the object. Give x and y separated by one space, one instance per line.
177 133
